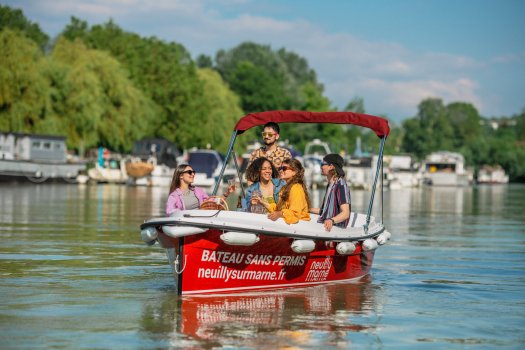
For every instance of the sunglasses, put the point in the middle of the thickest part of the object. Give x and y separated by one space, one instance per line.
269 134
324 163
189 172
284 168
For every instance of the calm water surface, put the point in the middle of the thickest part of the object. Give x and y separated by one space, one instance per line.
75 275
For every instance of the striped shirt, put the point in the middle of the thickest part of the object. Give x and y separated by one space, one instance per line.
336 195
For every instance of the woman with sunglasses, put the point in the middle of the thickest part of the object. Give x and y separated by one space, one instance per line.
265 183
183 195
335 210
294 202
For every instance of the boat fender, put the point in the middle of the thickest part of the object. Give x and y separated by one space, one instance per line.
303 245
149 235
180 231
345 248
239 238
369 244
383 237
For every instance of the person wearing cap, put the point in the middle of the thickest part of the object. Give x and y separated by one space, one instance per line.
335 210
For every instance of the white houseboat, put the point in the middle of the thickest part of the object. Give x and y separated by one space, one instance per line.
402 172
446 169
36 158
492 175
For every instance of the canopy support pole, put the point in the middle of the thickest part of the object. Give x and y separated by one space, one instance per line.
378 171
228 153
238 173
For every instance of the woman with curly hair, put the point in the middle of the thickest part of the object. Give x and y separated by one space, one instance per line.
294 202
265 183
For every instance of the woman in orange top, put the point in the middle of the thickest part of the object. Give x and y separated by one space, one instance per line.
294 203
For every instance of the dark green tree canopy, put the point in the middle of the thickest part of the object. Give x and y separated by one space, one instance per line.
15 20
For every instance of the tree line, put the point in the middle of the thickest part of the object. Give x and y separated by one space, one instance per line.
103 86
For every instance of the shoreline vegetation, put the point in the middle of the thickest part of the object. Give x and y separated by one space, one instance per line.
100 85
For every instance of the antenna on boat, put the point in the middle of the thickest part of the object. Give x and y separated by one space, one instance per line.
379 169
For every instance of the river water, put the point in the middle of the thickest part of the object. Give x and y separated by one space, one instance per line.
75 275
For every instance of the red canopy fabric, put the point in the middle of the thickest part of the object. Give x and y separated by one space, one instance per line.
377 124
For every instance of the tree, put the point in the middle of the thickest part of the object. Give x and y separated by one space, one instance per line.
357 105
225 110
23 90
15 20
429 131
100 105
292 82
257 88
465 122
204 61
163 71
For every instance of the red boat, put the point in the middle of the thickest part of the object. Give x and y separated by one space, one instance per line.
221 251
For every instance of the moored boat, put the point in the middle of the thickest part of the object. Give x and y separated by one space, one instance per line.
109 168
221 251
152 163
314 152
492 175
37 158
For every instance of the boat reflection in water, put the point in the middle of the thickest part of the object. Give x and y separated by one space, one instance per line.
305 316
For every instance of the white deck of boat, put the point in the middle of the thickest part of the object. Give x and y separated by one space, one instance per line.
259 223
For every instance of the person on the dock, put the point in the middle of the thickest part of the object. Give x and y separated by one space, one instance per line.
271 150
335 210
266 183
294 202
183 195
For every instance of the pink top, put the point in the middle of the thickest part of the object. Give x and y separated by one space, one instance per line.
175 201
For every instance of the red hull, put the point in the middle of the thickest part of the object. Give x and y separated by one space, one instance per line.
208 265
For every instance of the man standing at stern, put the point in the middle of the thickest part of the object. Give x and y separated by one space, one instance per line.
270 150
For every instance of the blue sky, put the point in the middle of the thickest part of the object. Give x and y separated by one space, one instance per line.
391 53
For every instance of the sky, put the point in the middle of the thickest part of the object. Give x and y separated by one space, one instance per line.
391 53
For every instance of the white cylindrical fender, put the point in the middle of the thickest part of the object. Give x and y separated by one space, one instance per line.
303 245
239 238
369 244
149 235
383 237
181 231
345 248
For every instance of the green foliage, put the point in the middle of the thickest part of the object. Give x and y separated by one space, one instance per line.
458 127
14 19
258 90
429 131
357 105
163 71
103 86
22 88
76 92
225 110
204 61
104 108
267 79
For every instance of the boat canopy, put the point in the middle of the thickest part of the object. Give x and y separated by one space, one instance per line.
377 124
